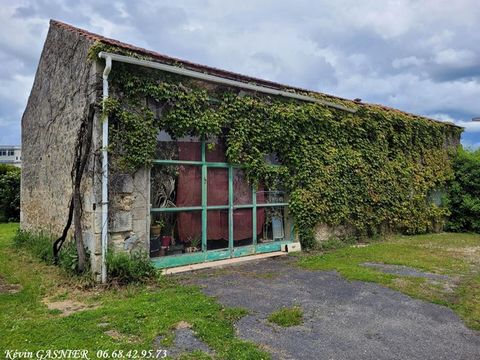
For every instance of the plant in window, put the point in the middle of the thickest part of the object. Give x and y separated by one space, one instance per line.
195 243
156 227
163 187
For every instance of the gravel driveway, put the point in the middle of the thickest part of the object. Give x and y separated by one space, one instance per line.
342 319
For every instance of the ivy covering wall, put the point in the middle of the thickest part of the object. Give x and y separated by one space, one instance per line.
372 171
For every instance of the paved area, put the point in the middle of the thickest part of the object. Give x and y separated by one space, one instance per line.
185 341
343 320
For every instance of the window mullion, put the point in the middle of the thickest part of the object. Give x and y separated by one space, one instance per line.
204 198
254 217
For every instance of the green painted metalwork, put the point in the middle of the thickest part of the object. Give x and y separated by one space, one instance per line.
231 252
269 247
217 207
243 251
213 255
177 209
204 199
247 206
230 210
254 216
178 260
177 162
272 204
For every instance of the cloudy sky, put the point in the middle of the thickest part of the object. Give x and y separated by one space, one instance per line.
418 56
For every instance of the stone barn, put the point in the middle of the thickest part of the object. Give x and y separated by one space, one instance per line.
184 202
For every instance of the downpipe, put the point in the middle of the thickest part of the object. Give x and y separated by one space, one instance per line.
106 72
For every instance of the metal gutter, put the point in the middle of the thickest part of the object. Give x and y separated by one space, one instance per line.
106 72
218 79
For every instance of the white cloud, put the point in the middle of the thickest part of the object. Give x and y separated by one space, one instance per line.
455 57
419 56
468 125
407 61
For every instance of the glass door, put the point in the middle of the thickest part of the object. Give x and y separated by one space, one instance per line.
205 208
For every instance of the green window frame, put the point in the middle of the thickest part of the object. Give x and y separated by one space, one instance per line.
211 255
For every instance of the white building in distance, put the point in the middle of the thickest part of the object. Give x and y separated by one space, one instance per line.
11 154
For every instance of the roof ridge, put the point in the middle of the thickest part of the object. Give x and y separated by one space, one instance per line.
160 56
220 72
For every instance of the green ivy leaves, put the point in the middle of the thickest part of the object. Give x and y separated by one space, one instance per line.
372 170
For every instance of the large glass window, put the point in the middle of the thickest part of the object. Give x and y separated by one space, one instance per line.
203 208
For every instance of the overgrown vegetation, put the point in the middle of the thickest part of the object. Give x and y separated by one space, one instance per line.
124 268
136 314
456 255
9 193
372 171
287 317
39 244
464 192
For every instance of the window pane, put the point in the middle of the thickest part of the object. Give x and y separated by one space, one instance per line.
175 186
217 190
266 196
217 229
186 148
175 233
271 224
242 190
215 150
242 227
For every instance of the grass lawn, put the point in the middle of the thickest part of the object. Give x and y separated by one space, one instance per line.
128 318
455 255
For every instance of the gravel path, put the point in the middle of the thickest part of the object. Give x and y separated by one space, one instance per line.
343 320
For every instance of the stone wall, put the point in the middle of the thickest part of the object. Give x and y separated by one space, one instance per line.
129 210
64 87
325 232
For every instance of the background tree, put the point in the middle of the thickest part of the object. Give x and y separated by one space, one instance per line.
464 192
9 193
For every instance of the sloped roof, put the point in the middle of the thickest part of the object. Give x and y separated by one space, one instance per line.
155 56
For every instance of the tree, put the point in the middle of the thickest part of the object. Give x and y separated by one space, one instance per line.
464 192
9 193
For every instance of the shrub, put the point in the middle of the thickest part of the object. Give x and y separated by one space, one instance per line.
68 258
9 193
464 192
124 268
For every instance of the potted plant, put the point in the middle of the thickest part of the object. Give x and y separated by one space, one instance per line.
156 228
195 244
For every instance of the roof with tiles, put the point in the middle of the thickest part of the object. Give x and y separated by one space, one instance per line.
219 72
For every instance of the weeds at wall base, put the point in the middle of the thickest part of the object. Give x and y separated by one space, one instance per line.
123 268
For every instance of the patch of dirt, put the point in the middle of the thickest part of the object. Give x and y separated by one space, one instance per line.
6 288
472 253
68 307
114 334
405 271
183 325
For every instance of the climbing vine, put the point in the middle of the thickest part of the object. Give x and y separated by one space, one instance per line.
372 170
